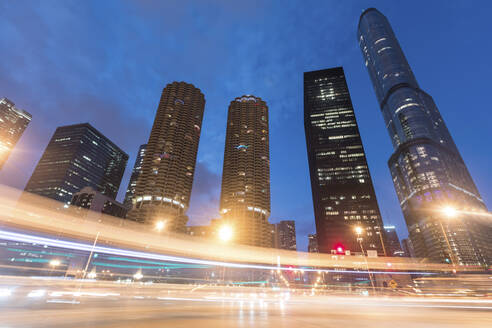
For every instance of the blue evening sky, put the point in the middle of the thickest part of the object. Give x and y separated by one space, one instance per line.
106 62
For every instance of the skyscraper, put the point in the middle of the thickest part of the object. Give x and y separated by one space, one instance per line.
393 246
408 247
13 122
78 156
245 195
343 194
163 189
285 235
427 170
312 243
137 170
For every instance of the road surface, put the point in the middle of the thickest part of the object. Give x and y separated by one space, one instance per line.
30 302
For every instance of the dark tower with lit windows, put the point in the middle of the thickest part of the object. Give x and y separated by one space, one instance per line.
137 170
438 197
13 122
78 156
343 194
163 188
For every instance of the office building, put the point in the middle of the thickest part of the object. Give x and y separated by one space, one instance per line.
13 122
163 188
312 243
342 189
393 247
285 235
78 156
137 170
408 247
430 177
96 203
199 231
245 194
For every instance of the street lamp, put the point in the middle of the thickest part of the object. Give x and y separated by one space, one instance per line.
225 233
359 231
92 274
449 212
160 225
55 263
138 275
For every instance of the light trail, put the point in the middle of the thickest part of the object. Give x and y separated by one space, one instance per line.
38 215
15 236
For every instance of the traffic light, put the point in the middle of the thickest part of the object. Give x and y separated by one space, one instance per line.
339 249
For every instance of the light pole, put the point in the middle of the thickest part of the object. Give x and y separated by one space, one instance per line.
449 212
359 231
225 235
381 239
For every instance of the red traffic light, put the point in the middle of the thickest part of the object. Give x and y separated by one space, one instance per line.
339 249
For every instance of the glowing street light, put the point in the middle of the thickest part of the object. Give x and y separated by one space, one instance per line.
160 225
92 274
449 211
359 231
138 275
55 263
225 233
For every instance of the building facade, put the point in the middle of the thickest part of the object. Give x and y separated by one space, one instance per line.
245 194
13 122
78 156
408 247
342 189
96 203
199 231
137 170
427 169
285 235
393 246
163 188
312 243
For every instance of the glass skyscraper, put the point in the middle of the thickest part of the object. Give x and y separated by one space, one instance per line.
285 235
137 170
427 170
13 122
343 193
78 156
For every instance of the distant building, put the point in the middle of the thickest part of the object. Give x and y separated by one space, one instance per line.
393 247
313 243
163 187
427 169
97 204
78 156
199 231
13 122
245 194
137 170
285 235
342 189
408 247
